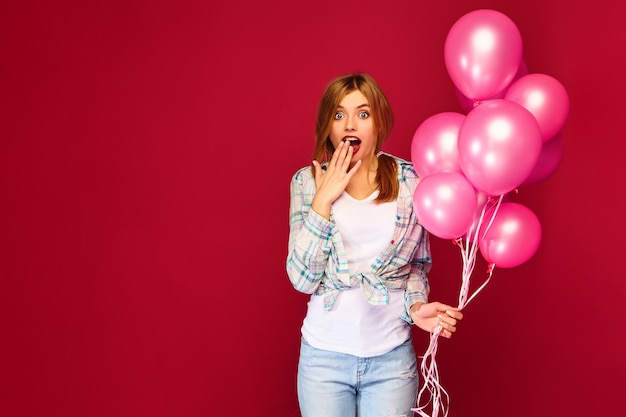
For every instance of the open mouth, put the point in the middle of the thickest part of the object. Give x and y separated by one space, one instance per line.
354 142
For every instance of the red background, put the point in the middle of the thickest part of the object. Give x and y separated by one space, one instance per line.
146 153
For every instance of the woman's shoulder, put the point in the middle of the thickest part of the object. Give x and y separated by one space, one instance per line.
303 175
304 172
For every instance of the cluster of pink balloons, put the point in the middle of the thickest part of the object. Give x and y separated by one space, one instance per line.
510 135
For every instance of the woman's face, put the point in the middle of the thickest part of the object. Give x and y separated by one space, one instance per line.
353 123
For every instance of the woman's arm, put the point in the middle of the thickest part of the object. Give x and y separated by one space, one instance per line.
309 236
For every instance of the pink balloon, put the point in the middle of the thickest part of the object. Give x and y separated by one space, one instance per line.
468 104
549 160
499 144
445 204
482 53
545 97
513 237
434 144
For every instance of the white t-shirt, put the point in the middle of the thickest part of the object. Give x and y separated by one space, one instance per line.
353 325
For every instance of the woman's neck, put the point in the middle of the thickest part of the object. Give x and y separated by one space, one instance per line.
364 183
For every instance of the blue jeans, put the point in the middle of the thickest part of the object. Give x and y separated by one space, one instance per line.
334 384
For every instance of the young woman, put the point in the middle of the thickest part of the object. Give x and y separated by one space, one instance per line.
357 247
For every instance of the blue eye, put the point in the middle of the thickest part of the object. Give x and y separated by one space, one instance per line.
338 116
363 115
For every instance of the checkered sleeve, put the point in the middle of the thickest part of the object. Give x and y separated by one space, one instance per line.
310 236
417 288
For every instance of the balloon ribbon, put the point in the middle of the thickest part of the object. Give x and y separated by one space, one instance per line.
439 397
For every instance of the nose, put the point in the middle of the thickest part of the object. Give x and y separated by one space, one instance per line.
350 124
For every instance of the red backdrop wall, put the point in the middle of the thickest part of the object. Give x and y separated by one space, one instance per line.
146 153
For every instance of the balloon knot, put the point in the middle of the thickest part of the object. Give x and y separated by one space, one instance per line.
490 267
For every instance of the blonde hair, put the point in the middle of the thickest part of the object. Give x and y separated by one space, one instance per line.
382 117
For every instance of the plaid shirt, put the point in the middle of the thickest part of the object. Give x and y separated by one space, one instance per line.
317 263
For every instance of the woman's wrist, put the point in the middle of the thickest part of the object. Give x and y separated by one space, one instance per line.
415 307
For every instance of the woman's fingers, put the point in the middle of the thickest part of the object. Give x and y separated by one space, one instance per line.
333 181
448 321
347 157
335 157
341 157
455 314
318 172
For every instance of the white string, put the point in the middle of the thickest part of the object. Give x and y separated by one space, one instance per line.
439 397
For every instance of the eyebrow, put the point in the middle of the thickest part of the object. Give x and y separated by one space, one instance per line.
358 107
